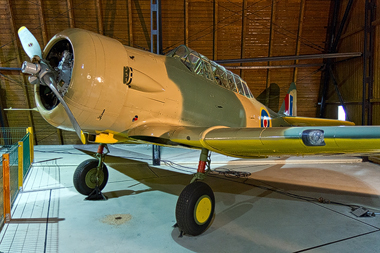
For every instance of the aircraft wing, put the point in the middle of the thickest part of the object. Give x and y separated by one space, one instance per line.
258 142
305 121
251 142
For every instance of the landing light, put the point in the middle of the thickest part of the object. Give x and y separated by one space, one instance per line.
313 137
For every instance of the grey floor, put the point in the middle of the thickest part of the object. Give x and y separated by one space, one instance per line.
271 211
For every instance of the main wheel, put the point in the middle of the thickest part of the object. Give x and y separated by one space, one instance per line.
85 176
195 208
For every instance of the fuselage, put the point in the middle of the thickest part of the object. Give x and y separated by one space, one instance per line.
115 88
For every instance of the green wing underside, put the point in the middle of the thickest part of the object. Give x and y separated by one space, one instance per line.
255 142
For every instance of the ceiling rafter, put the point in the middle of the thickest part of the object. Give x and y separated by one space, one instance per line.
243 28
270 48
45 41
186 22
299 34
215 32
130 20
42 22
100 17
70 8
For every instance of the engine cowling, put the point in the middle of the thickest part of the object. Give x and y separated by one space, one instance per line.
90 76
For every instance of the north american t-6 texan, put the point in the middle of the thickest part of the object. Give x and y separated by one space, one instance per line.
110 93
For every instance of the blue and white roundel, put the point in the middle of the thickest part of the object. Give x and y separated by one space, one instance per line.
265 118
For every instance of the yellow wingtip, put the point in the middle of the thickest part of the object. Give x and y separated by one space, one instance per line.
21 28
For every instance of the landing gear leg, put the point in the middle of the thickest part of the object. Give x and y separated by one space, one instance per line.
91 176
156 153
196 203
96 194
204 160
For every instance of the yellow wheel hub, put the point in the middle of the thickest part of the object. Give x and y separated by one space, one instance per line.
202 210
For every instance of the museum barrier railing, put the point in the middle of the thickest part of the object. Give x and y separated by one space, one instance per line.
16 157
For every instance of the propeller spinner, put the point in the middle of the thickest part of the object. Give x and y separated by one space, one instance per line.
40 70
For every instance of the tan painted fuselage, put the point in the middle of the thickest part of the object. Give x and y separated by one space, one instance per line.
115 88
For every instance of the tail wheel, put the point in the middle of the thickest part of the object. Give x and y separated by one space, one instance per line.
85 176
195 208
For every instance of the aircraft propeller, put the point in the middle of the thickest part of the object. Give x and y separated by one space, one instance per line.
29 43
41 71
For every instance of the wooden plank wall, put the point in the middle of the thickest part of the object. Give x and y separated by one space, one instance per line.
349 74
272 29
13 86
215 28
376 86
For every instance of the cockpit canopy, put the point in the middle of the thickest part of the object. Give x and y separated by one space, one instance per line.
201 65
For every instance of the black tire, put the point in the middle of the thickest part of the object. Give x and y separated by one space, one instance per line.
85 176
195 208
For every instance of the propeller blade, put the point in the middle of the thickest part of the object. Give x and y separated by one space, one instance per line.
49 81
29 43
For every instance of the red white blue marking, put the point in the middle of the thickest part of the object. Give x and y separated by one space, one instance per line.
265 118
289 105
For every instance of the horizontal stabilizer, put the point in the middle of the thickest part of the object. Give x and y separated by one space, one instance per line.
305 121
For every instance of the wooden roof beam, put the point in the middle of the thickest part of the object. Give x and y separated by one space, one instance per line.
270 47
43 23
215 31
45 41
130 30
70 8
100 16
292 57
243 27
186 22
299 33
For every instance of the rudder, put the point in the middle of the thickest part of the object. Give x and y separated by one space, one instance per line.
289 106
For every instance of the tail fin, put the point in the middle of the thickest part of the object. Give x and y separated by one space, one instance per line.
289 106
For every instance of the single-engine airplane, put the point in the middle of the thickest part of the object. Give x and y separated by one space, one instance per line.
110 93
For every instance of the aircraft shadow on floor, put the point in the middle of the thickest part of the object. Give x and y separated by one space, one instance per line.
261 210
158 179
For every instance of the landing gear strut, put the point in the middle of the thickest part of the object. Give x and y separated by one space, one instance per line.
91 176
156 154
196 203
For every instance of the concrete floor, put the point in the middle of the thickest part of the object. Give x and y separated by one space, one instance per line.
269 212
